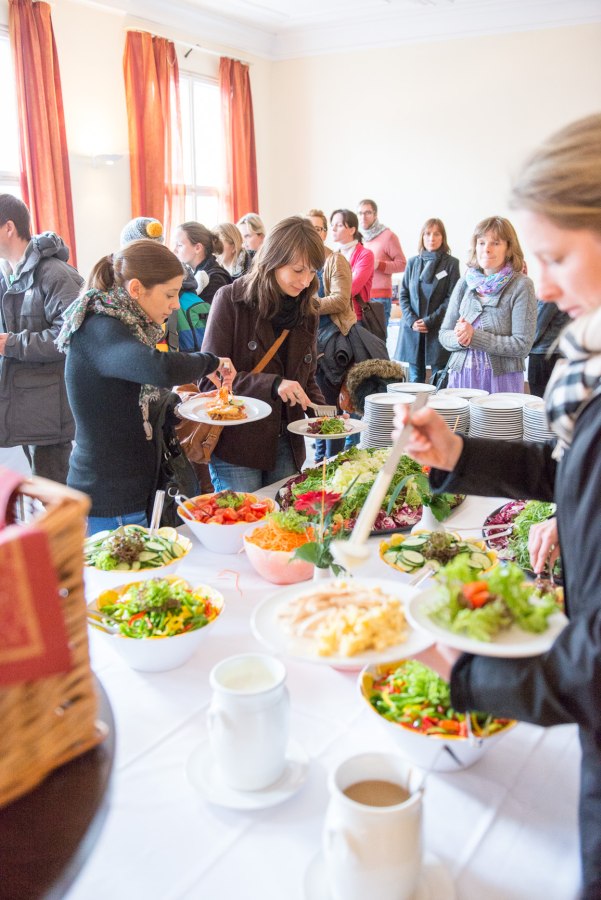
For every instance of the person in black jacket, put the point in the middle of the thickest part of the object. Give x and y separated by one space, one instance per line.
428 283
559 196
543 354
113 373
196 246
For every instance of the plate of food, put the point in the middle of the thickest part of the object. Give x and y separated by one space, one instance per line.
331 428
514 521
410 553
497 614
352 474
224 408
346 623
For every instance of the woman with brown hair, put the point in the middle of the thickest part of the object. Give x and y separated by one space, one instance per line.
113 373
491 318
276 299
428 283
196 247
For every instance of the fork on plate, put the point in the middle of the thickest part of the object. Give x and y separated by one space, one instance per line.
321 409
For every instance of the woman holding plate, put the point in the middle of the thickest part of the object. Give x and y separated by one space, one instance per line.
271 310
558 197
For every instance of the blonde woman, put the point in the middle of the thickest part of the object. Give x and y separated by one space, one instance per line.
234 258
252 231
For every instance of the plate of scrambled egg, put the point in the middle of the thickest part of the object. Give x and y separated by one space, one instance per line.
344 622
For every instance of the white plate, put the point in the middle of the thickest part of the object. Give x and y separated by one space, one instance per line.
388 400
435 882
268 628
194 409
511 642
203 773
466 393
410 387
351 426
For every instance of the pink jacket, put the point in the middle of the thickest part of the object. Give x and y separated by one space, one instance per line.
389 258
362 265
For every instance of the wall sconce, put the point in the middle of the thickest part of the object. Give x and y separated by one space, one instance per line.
106 159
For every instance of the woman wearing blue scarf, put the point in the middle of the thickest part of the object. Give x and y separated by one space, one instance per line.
491 319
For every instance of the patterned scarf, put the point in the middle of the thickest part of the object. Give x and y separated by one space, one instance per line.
370 233
118 304
575 380
489 284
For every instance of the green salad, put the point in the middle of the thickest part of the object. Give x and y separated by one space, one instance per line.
499 599
132 547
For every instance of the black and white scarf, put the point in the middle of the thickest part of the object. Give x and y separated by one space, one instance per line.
575 380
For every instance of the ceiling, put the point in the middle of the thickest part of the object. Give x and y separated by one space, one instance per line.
283 29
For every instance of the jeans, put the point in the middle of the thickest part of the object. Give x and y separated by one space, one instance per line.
418 373
229 477
387 304
109 523
353 439
49 460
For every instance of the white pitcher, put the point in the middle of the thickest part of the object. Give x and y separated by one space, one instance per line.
248 720
373 851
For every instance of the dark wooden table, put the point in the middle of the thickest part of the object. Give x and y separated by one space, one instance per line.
47 835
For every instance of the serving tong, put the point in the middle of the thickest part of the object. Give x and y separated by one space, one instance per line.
322 409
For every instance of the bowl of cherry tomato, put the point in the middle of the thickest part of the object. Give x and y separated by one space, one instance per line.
220 521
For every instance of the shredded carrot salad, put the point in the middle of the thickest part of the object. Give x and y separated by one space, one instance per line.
270 537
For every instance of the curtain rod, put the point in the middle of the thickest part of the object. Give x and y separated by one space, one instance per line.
190 46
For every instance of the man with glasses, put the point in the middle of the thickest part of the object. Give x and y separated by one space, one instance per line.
388 254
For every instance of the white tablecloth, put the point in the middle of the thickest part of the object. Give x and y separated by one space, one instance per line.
505 828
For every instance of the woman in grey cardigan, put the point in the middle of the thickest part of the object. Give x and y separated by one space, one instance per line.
491 318
427 286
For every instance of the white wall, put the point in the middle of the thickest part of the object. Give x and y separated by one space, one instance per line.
425 129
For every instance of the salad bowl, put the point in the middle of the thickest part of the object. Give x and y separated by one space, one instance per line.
274 565
436 752
154 652
227 535
161 554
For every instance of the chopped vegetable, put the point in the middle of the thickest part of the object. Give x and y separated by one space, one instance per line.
271 537
228 508
435 547
330 425
132 547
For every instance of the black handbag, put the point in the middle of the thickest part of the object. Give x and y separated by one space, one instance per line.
374 318
440 379
173 471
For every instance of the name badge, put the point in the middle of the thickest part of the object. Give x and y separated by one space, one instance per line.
442 274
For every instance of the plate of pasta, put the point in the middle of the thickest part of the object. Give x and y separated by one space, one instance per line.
224 408
343 622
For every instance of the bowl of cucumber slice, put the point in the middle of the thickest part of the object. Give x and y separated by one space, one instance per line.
410 552
132 550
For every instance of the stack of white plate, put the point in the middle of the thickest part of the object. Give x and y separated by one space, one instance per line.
466 393
496 416
378 415
410 387
454 410
536 424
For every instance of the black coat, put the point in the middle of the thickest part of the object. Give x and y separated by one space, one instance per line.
434 309
218 277
563 685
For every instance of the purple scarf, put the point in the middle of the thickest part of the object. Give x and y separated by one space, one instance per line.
489 284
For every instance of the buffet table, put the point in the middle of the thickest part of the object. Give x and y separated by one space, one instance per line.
505 829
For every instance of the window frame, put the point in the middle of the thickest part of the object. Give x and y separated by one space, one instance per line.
197 190
8 179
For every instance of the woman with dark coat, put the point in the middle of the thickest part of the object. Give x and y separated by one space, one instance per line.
196 246
247 317
428 283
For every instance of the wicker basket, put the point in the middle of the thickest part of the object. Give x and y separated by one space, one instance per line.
47 722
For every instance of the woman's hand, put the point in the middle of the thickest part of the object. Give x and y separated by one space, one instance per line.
431 442
420 325
463 332
543 545
291 392
224 374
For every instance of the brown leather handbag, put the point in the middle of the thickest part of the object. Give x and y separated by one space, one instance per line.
198 440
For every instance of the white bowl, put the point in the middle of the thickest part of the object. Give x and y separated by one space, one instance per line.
444 753
103 579
163 653
220 538
277 566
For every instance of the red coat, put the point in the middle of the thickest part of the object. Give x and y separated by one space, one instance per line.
234 329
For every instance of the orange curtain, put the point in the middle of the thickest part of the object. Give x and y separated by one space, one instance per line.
242 193
44 164
155 129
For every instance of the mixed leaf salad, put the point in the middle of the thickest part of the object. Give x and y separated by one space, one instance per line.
413 695
437 548
157 608
351 475
520 515
328 425
132 547
497 600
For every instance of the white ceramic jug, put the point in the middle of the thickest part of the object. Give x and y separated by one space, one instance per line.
373 851
248 720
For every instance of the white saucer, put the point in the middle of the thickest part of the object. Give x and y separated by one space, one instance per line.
203 773
435 881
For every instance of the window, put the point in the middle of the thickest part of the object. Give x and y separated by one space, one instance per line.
202 148
9 145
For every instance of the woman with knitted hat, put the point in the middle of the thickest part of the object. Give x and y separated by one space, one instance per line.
142 228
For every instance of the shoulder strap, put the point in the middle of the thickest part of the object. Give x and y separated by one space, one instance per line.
271 352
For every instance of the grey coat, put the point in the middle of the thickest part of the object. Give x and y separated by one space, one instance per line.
446 275
33 397
508 324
